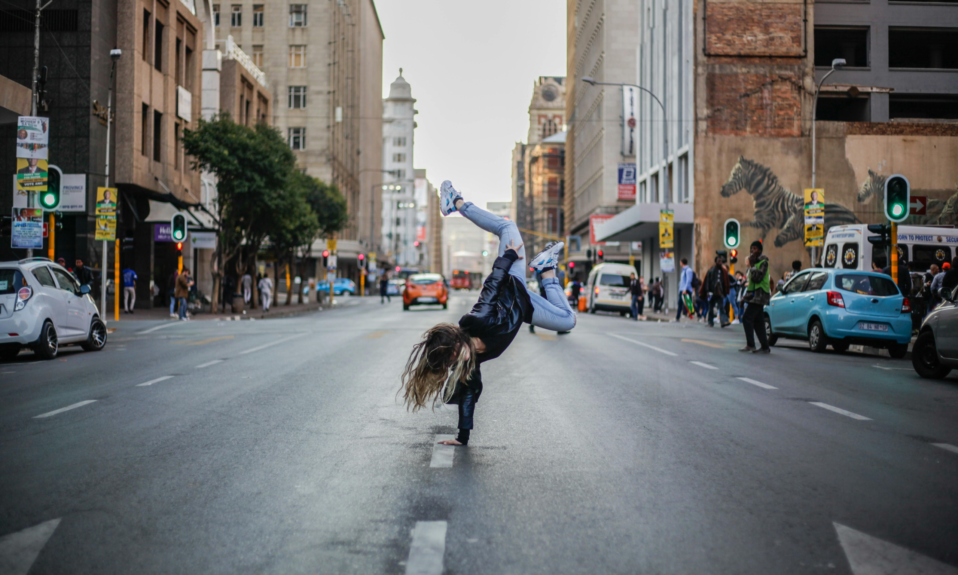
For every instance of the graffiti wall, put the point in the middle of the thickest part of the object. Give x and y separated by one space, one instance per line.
760 182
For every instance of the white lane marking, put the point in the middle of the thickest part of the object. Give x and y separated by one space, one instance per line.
19 550
946 447
893 368
705 365
427 548
757 383
157 380
658 349
840 410
271 344
62 409
442 455
159 327
869 555
209 363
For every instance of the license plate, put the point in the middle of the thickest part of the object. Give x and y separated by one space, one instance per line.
427 300
872 326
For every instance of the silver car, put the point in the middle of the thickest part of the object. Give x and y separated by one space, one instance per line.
936 350
43 307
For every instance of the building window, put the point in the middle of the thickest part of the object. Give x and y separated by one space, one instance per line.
236 16
400 174
297 15
399 142
188 80
146 36
848 43
258 56
178 63
157 133
842 108
145 130
297 56
935 48
176 146
258 13
297 138
216 15
297 97
158 46
399 157
928 106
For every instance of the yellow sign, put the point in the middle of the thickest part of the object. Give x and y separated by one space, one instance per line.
106 202
666 231
814 217
105 229
31 175
331 245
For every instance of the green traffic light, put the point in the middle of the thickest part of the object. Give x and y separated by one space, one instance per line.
49 200
897 210
732 241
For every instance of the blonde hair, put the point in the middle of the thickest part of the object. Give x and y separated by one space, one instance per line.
442 360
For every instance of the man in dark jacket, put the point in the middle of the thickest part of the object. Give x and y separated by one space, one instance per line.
637 291
717 284
83 273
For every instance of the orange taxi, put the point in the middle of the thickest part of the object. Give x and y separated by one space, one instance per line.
425 289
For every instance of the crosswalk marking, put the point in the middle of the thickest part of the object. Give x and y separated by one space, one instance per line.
427 549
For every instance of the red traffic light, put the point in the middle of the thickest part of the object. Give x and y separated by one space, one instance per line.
571 265
325 253
601 254
362 257
416 243
179 246
733 253
397 269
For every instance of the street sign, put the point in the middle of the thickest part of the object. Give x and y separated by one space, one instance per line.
331 244
918 206
332 261
666 231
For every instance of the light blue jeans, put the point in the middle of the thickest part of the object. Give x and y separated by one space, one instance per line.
550 312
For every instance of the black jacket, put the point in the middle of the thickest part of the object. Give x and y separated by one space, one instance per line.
503 303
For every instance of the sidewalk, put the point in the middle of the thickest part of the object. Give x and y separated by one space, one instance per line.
276 310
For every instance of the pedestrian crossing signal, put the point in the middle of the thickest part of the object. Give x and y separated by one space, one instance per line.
732 235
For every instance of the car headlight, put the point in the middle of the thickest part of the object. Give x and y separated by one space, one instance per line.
23 295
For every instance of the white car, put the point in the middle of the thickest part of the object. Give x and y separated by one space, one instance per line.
608 288
43 307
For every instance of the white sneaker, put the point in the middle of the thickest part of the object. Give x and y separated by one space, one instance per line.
447 198
547 258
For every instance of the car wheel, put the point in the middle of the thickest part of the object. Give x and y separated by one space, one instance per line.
898 350
9 353
817 341
924 357
840 346
405 307
48 345
97 338
445 306
622 314
769 334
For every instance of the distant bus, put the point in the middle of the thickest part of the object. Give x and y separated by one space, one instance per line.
463 280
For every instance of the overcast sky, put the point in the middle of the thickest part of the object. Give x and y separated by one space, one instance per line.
471 66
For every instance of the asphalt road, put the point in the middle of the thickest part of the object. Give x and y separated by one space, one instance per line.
279 446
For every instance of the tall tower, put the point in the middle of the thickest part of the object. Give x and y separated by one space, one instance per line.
399 202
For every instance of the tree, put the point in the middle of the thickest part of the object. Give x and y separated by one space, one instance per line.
253 167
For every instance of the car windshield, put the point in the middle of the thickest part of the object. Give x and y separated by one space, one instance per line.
8 281
614 280
423 280
866 285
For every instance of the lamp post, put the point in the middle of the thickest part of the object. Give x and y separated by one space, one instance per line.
114 56
837 64
665 131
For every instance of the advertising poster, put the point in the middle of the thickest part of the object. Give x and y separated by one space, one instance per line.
27 230
31 175
666 232
72 193
105 214
626 182
667 261
33 137
814 217
105 229
203 240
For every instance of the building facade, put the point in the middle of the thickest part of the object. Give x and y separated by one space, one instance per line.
400 206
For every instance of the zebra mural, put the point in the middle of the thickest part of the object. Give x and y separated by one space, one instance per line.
937 212
775 206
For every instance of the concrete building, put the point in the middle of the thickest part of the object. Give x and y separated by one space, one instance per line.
428 224
434 227
400 207
324 62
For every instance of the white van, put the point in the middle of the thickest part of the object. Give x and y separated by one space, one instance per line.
847 247
608 288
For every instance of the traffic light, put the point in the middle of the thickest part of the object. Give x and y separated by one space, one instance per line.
178 227
362 261
485 253
397 269
733 256
897 198
601 254
325 258
50 199
732 235
883 240
571 265
416 243
179 248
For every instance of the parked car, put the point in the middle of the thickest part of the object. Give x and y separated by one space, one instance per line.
425 289
43 307
936 350
607 288
340 286
840 307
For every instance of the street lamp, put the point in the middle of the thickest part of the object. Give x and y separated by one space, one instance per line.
665 131
837 64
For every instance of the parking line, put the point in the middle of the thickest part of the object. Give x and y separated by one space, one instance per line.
159 327
442 455
157 380
209 363
652 347
840 410
62 409
427 548
705 343
705 365
946 447
757 383
271 344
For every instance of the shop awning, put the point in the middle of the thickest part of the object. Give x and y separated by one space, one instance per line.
641 221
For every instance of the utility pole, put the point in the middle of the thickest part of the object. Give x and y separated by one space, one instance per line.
114 55
34 98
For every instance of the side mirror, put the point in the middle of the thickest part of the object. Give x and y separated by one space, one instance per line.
950 296
84 289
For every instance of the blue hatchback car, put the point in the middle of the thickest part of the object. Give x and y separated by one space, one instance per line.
840 307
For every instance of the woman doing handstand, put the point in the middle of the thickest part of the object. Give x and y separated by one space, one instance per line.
445 364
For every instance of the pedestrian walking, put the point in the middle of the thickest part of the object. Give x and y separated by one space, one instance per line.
484 333
182 292
950 280
228 291
734 291
656 293
685 291
82 273
129 290
247 283
757 295
171 289
265 286
384 288
796 267
575 290
637 289
714 289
